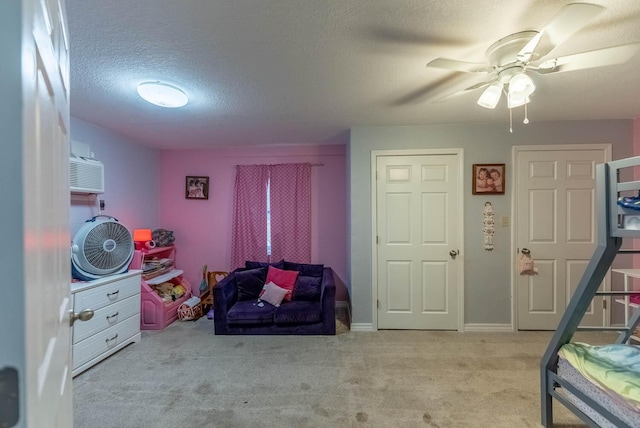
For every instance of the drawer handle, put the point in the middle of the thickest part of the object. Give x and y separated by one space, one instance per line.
115 293
111 339
112 316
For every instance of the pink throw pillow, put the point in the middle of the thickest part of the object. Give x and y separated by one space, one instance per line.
283 278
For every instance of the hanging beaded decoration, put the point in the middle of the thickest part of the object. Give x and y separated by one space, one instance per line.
488 228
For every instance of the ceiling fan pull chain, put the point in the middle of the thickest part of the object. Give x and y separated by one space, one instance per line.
526 119
510 121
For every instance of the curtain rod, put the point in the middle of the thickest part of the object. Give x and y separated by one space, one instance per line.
271 164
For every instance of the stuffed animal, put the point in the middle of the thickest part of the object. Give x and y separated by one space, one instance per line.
164 290
177 292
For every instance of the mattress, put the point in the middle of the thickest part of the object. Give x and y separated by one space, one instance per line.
608 375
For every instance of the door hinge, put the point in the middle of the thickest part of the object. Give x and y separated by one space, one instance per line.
378 303
377 239
9 397
604 304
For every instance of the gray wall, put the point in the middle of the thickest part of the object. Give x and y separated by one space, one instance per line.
130 179
487 274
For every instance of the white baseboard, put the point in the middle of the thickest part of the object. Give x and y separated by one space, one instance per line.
368 327
488 327
362 326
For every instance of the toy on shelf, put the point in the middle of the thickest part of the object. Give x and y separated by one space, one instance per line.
159 268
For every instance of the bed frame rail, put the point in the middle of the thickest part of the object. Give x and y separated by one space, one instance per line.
614 189
610 231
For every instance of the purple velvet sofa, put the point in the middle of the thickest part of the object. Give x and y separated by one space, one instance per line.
311 310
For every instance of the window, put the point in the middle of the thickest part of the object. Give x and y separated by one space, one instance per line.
272 213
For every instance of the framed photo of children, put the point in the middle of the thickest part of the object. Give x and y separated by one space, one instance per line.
197 187
488 178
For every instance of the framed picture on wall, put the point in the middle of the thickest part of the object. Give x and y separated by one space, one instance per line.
197 187
488 178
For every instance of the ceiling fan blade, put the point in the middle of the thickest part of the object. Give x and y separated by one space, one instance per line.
463 91
590 59
411 38
526 53
566 23
464 66
442 88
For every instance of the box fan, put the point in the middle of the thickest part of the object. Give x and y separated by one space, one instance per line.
102 246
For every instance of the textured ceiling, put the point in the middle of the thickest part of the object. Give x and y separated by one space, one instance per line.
304 71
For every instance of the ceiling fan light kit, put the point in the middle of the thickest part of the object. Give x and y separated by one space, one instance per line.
521 86
162 94
491 96
510 60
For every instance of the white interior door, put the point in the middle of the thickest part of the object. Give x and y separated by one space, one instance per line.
556 221
46 218
418 224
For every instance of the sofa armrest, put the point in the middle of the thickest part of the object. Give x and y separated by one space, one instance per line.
225 295
328 299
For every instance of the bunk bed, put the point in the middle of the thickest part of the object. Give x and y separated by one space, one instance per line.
600 384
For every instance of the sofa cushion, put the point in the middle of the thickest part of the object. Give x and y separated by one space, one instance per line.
307 288
305 269
283 278
249 312
249 264
298 312
272 294
250 283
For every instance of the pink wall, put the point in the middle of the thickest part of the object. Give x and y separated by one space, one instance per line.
203 227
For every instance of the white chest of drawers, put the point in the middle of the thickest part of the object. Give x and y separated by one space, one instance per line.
115 301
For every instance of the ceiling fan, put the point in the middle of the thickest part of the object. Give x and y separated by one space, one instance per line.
512 59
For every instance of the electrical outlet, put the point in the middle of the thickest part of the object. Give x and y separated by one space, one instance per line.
505 221
101 204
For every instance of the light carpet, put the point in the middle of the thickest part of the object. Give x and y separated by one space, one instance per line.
185 376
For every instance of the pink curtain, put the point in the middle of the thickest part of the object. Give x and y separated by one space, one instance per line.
290 189
249 235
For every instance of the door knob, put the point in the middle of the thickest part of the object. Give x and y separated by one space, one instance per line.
526 251
84 315
454 253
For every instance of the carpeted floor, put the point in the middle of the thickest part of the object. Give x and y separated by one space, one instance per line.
185 376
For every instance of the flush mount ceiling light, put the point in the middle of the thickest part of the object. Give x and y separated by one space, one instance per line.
162 94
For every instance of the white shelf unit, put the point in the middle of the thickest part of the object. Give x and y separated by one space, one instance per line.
629 306
115 300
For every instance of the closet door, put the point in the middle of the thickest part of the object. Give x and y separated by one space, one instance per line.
556 220
419 222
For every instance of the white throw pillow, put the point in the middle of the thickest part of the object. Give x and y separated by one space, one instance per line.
273 294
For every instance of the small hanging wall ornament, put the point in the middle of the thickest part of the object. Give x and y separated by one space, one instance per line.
488 228
525 264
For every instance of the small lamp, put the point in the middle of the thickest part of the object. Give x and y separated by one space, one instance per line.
142 239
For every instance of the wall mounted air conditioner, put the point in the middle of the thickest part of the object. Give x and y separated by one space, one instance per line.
86 175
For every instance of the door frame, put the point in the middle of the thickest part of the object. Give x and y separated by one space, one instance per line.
459 153
514 211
